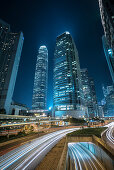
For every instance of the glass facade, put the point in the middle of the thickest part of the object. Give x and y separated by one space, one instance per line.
67 77
40 80
10 51
89 93
109 57
94 98
107 17
109 106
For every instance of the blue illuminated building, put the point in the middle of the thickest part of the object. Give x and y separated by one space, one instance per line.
109 106
109 56
40 80
109 101
68 95
107 18
89 93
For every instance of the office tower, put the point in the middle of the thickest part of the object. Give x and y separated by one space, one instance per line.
100 111
94 98
107 17
10 51
107 90
40 80
104 91
109 56
89 93
68 95
109 106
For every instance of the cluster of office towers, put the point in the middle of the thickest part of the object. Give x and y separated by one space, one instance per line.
73 89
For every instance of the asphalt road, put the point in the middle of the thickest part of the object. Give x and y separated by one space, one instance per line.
108 136
82 158
28 156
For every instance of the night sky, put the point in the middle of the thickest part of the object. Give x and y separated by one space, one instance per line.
42 21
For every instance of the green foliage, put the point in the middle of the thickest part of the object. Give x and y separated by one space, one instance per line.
31 128
74 120
22 133
2 111
55 126
102 121
88 132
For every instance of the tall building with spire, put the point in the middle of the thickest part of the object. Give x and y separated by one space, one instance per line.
10 52
67 95
40 80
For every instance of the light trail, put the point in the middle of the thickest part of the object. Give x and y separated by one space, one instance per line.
23 156
109 134
84 157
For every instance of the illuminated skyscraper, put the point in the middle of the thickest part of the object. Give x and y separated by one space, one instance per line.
94 98
108 101
87 92
109 56
67 77
109 106
107 18
10 51
40 80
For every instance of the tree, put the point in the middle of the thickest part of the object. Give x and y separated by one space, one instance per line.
2 111
31 128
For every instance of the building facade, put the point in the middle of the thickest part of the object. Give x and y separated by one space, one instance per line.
100 111
40 80
109 56
94 97
18 109
10 51
108 105
107 17
89 93
67 95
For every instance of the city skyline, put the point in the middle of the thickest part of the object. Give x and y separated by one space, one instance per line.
57 84
24 95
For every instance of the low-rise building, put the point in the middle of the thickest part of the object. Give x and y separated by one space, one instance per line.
17 108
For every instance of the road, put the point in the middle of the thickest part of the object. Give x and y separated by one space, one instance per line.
108 136
82 158
28 156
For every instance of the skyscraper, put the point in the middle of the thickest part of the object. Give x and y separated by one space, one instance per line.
40 80
109 56
94 98
10 51
89 92
68 95
109 106
107 17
